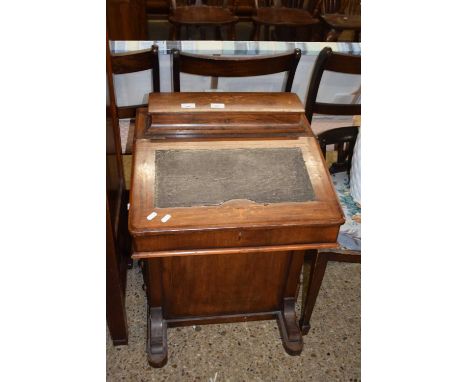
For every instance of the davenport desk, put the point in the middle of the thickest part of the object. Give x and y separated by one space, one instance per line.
228 192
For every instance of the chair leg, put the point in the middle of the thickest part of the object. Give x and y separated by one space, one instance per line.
218 36
232 32
332 36
317 271
175 32
255 36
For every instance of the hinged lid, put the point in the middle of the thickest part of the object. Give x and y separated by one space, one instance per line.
234 102
250 183
201 115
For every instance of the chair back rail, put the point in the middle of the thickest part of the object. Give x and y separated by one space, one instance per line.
334 62
219 66
125 63
344 140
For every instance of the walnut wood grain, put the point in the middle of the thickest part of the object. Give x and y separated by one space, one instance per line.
283 16
202 15
239 260
221 251
249 102
117 236
131 62
292 18
325 210
342 22
339 22
210 126
244 66
244 114
328 60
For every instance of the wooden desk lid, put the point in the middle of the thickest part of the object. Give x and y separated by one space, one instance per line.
233 102
314 203
212 114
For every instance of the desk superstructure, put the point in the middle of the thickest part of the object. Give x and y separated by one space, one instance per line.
238 200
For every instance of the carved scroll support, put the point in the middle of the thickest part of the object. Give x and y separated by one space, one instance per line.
157 338
289 330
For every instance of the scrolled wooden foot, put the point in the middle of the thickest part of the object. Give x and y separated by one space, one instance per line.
289 330
157 338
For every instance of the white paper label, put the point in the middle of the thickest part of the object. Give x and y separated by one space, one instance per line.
217 105
187 105
152 215
166 218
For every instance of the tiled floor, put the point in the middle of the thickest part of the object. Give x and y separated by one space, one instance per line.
249 351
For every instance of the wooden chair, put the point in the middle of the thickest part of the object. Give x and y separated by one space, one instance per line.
157 9
219 66
347 7
118 241
334 62
131 62
186 14
244 9
344 138
285 20
338 16
318 260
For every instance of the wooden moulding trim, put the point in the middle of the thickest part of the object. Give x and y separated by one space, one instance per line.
137 231
222 318
238 250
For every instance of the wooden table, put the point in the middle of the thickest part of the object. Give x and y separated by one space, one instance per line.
338 23
281 17
203 15
235 214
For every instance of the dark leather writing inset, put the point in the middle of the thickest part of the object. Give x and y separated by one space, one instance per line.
187 178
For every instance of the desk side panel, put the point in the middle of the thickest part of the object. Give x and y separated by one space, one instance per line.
216 285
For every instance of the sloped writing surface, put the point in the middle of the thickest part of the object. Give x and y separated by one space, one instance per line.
186 178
